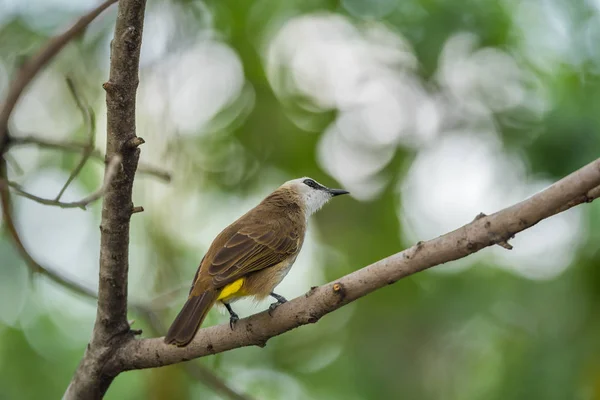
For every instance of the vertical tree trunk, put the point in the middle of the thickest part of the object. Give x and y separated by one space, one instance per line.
111 328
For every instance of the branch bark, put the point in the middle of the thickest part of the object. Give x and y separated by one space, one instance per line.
111 329
581 186
117 208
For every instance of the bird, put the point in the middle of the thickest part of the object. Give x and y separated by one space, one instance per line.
251 256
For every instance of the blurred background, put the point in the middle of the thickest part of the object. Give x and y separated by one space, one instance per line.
428 111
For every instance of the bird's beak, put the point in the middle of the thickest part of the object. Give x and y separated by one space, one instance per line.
337 192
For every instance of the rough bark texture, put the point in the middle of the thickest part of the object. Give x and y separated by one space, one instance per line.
484 231
111 329
117 206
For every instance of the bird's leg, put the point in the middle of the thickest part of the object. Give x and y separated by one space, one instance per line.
280 301
233 316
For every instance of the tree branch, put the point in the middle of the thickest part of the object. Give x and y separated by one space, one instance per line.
37 62
120 100
90 121
111 328
25 75
33 265
111 171
78 147
486 231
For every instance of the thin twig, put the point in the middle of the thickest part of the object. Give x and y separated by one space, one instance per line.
89 120
13 163
111 171
74 146
30 69
31 262
34 140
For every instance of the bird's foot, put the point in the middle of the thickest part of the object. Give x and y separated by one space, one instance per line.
233 319
280 301
273 306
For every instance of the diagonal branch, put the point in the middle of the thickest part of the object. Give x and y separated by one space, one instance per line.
90 121
111 171
578 187
79 147
37 62
33 265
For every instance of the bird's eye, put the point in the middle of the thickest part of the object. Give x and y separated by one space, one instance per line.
311 183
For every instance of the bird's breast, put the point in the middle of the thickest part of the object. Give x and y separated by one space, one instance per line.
261 283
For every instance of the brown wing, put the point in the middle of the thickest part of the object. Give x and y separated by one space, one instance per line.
253 248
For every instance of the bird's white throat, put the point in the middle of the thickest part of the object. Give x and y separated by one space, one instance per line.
311 198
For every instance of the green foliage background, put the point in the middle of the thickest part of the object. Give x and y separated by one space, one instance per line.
478 332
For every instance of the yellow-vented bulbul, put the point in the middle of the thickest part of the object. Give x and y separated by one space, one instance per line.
252 255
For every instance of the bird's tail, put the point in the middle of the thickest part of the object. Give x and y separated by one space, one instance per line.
189 319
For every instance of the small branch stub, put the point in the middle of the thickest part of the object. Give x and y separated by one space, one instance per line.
340 290
502 242
134 142
137 209
505 244
479 216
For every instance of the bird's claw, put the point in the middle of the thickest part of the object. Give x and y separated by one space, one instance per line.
233 320
233 317
273 306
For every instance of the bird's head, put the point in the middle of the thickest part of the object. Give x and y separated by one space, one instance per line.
311 194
